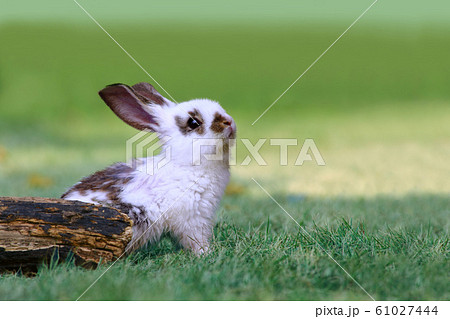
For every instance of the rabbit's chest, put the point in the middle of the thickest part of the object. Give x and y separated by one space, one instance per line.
180 199
200 198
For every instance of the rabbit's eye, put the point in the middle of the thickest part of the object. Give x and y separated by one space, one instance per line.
193 123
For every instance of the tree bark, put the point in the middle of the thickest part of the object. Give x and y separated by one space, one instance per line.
33 230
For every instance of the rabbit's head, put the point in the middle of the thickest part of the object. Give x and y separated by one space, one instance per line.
183 124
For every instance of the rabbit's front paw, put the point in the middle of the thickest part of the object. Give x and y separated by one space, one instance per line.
199 245
201 250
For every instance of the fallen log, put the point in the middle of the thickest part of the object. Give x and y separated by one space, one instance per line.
33 229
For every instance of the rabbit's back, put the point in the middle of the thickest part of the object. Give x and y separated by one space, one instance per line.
102 187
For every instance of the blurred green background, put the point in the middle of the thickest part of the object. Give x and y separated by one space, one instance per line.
377 104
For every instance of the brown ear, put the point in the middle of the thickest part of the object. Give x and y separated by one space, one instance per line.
149 93
128 106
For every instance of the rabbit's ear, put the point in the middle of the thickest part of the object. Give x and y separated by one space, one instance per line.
150 95
129 106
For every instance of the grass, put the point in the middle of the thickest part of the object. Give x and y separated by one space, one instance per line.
270 259
377 106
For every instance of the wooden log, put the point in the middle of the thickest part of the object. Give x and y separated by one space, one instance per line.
32 229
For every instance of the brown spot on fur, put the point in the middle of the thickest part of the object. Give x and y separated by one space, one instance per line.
182 123
109 180
218 124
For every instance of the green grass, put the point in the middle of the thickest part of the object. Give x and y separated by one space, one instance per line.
269 258
377 106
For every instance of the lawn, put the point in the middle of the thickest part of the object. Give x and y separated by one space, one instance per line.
377 106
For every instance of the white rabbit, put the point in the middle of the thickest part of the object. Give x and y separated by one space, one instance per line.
180 197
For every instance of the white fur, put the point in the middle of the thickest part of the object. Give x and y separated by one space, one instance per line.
180 198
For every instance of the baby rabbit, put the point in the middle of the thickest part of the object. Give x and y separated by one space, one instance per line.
180 197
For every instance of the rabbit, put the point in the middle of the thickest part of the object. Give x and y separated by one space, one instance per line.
181 197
